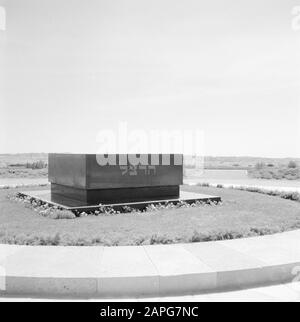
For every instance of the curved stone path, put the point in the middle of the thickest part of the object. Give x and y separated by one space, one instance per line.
141 271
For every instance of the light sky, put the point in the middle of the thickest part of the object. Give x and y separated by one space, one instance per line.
71 68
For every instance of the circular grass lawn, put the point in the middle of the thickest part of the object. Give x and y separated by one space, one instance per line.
241 214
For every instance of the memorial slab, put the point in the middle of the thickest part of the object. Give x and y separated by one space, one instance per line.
84 182
87 179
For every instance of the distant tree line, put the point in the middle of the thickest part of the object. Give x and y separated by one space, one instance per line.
36 165
291 171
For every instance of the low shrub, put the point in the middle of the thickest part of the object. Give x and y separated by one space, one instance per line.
155 239
31 240
268 172
292 165
294 196
62 214
36 165
203 184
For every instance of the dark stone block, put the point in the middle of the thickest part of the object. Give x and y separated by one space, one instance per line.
81 177
107 196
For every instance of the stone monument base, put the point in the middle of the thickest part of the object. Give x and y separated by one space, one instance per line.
119 195
44 196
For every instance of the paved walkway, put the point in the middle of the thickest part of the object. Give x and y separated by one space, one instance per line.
279 293
265 186
142 271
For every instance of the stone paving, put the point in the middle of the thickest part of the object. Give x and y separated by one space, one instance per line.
150 271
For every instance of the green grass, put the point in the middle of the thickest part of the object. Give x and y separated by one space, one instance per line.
23 172
242 214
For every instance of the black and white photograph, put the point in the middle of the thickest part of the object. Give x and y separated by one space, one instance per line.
149 154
